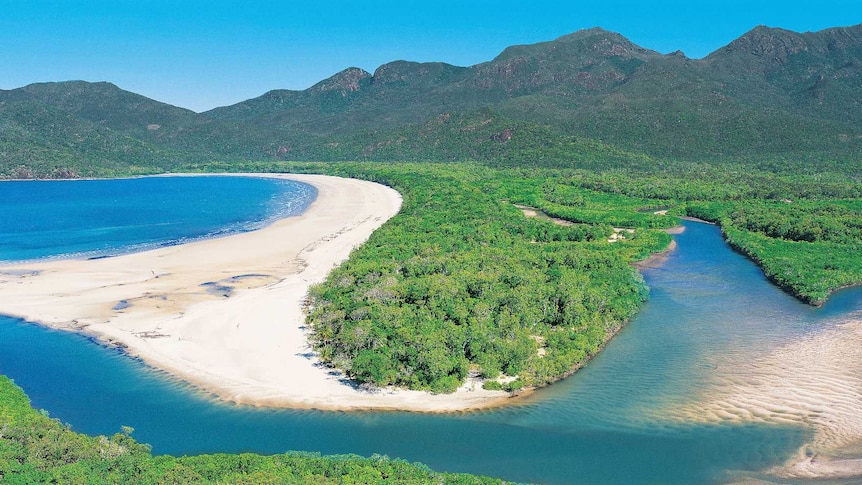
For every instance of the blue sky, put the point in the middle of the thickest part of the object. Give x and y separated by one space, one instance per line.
200 55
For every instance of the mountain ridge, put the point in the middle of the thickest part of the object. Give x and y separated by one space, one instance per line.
771 93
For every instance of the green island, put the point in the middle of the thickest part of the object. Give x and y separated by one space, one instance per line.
525 213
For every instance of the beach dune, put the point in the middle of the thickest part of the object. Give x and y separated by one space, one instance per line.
227 314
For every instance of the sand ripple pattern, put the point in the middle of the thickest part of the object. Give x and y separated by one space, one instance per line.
815 381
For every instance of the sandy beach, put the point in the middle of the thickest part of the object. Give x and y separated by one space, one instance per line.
227 314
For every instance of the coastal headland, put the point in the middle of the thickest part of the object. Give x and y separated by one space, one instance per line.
227 314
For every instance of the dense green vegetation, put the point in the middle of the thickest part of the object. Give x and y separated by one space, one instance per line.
37 449
809 248
461 282
802 229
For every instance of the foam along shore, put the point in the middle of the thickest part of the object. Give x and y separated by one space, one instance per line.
227 314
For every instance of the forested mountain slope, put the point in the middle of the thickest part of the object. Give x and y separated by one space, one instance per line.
771 95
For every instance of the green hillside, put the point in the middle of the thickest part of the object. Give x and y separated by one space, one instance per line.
771 94
106 105
38 141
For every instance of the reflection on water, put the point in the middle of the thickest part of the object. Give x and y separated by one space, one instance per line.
612 422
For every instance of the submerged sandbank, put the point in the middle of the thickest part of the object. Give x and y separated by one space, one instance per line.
814 382
250 346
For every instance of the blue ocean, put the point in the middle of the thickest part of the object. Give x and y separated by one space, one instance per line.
97 218
597 427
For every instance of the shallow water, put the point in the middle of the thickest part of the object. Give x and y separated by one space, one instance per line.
612 422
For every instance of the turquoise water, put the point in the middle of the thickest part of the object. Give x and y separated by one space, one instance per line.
94 218
605 424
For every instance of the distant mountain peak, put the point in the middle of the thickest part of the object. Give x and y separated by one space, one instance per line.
606 41
769 50
395 71
761 50
345 81
416 75
409 72
843 37
587 33
769 41
587 43
75 85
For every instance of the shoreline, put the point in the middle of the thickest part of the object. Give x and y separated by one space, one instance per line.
248 347
144 247
655 260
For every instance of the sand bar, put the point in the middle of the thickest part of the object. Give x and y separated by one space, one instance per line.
227 314
814 381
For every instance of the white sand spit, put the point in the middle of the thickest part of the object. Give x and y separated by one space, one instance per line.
247 347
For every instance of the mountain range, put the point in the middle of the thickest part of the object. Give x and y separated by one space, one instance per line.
771 94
